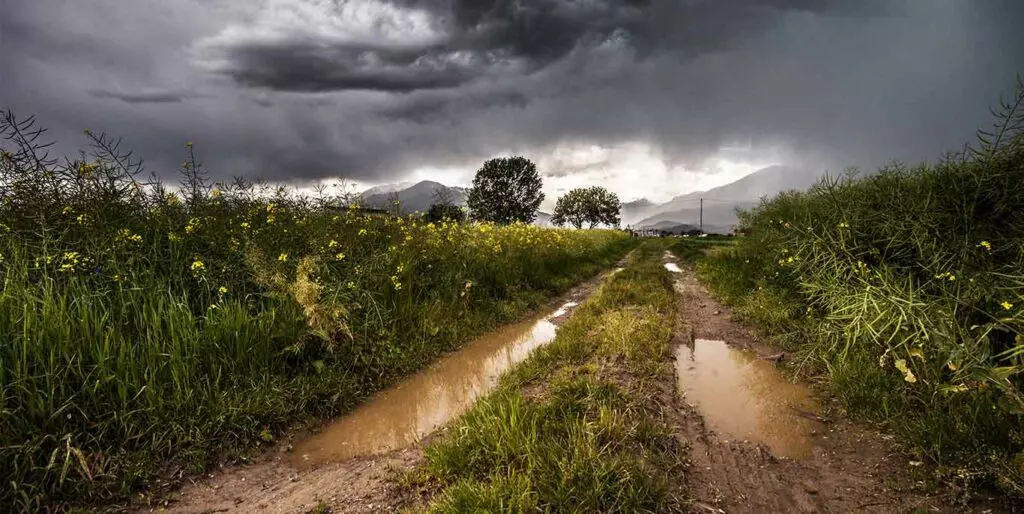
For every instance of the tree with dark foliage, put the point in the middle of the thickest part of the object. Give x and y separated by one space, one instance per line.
506 190
439 212
591 205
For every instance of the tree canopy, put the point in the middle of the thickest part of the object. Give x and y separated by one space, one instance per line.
506 190
587 205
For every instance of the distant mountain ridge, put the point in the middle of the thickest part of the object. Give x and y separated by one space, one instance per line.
678 215
721 203
415 198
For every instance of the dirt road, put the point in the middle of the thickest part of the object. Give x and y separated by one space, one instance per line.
753 440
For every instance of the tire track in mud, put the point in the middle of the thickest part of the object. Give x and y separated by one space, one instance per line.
272 483
850 467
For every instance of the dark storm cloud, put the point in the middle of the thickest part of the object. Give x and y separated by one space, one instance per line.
482 37
143 97
304 89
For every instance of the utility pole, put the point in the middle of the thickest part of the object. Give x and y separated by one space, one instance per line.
701 215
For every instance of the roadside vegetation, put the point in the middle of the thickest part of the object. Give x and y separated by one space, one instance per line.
147 332
575 427
904 289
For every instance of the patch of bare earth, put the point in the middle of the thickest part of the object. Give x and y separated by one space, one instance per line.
851 467
272 484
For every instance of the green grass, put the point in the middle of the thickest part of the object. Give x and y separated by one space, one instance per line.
904 290
145 332
573 429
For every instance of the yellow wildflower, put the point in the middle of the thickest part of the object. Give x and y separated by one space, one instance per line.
1006 305
172 237
222 290
986 245
908 375
332 244
283 257
198 265
244 225
396 283
339 257
126 235
362 231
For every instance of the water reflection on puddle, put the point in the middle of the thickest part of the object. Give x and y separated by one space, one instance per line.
416 407
743 397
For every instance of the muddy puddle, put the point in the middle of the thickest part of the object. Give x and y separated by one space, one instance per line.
404 414
745 398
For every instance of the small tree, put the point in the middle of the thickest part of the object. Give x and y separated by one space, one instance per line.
506 190
591 205
439 212
444 208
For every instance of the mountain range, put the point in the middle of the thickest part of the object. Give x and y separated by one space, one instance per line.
720 203
680 214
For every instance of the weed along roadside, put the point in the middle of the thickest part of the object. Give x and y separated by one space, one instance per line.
760 441
902 292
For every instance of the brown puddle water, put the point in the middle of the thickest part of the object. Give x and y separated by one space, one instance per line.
744 397
404 414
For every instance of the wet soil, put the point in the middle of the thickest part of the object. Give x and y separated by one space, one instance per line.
761 443
355 463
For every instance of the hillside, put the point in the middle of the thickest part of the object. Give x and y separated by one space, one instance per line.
721 203
416 198
630 212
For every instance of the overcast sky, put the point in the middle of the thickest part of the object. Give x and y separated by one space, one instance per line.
649 97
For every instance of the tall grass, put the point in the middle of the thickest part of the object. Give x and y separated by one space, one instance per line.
145 330
574 428
906 289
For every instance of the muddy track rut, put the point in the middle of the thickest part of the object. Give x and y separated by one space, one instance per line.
850 468
278 482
